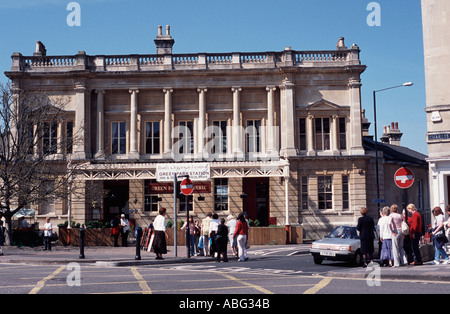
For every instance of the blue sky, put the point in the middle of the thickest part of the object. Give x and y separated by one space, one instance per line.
393 51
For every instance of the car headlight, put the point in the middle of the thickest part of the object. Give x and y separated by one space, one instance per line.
314 246
345 248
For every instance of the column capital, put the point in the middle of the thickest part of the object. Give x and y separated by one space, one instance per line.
236 89
271 88
133 90
99 91
167 90
202 89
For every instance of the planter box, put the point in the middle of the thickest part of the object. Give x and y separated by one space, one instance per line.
93 237
256 236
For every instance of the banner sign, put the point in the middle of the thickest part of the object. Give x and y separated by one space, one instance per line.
197 171
167 188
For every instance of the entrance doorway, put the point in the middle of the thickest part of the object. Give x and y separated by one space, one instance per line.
256 204
116 199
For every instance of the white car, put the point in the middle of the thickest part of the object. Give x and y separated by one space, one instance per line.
342 244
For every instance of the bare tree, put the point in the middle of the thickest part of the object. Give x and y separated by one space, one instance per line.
33 151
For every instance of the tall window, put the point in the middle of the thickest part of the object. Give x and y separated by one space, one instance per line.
152 138
184 201
222 140
150 200
187 137
118 135
345 193
253 136
69 130
50 140
322 133
220 194
304 192
324 189
342 134
48 205
302 135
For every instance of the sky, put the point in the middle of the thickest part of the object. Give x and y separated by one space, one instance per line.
389 35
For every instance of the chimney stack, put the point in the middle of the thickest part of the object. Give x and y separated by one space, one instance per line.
391 134
164 43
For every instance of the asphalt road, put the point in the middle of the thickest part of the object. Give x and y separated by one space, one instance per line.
279 271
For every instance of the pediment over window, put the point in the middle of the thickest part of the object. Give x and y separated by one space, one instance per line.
323 104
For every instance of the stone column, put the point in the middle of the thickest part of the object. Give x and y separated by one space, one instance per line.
201 120
237 141
356 147
133 153
79 145
334 136
270 121
167 120
287 115
100 154
310 135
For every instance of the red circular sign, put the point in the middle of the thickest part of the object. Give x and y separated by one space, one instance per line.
187 187
404 178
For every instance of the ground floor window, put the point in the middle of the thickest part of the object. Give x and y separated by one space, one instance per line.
150 200
221 194
324 189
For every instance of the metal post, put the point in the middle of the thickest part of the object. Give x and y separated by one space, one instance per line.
175 198
376 150
138 236
82 236
188 253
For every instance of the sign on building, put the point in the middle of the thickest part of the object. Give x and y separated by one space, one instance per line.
197 171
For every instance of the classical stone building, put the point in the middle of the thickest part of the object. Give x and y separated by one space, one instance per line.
436 32
286 127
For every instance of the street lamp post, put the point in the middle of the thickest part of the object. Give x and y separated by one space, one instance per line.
376 136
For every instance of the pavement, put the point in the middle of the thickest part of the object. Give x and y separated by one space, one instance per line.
126 256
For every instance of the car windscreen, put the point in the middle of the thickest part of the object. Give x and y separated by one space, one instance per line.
344 233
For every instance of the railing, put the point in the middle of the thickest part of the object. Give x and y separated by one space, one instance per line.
199 61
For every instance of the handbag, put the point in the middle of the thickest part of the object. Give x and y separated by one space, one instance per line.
405 228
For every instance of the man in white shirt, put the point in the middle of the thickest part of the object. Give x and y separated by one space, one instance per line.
125 227
48 234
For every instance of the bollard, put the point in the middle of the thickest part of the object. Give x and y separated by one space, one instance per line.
138 235
82 235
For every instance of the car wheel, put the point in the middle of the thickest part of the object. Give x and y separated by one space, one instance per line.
318 260
357 259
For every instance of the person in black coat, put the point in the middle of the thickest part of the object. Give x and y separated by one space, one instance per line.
366 227
221 240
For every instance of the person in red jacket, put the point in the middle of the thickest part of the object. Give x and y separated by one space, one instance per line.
241 233
415 231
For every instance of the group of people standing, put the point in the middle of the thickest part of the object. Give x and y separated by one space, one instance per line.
400 236
210 237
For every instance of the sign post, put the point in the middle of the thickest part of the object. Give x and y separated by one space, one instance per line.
187 187
404 178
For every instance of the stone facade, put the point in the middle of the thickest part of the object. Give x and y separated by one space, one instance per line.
292 142
436 31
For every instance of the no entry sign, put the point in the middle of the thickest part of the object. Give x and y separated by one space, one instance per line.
404 178
187 187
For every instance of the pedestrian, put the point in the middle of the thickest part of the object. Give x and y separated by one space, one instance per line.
415 231
241 234
386 228
366 227
447 224
231 224
190 239
2 236
159 241
397 240
115 230
205 233
197 235
125 229
439 237
48 228
213 224
222 241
